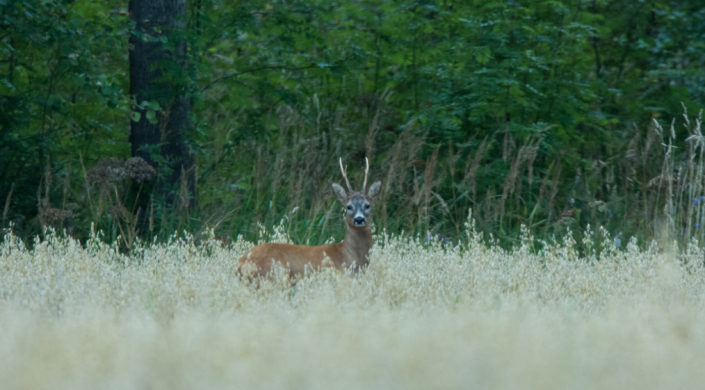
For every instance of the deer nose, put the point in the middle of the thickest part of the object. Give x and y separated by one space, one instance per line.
359 221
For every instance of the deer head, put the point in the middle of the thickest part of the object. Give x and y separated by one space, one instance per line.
358 204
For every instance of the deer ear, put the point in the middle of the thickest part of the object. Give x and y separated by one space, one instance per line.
339 192
375 189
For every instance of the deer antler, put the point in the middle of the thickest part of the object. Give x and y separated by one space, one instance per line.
367 169
342 170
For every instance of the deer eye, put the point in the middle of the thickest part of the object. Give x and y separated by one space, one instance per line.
367 206
349 207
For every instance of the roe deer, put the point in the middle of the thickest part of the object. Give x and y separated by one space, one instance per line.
350 253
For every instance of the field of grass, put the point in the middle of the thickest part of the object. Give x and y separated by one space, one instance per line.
424 315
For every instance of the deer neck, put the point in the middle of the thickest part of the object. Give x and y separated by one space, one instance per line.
357 244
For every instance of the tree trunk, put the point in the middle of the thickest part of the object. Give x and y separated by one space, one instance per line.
159 83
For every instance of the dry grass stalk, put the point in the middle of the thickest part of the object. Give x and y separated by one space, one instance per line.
85 316
472 165
423 196
523 158
8 201
374 125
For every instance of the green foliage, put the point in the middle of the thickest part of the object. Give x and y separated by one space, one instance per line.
528 112
526 105
63 72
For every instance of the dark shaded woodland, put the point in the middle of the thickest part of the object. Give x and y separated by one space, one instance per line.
151 117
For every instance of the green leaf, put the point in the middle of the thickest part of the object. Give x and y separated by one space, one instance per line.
152 116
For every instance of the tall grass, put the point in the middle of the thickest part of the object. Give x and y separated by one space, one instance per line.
423 315
650 186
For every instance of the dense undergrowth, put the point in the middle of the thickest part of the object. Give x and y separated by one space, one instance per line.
652 189
544 114
425 314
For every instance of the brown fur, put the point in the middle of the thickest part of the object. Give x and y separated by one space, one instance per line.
352 252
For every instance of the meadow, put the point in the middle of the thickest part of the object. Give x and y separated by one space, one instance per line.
143 118
425 314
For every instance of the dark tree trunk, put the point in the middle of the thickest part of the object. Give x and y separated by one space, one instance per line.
158 74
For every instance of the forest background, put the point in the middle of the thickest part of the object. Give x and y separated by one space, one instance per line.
548 114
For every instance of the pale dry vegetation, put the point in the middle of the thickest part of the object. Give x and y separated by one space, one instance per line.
424 315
